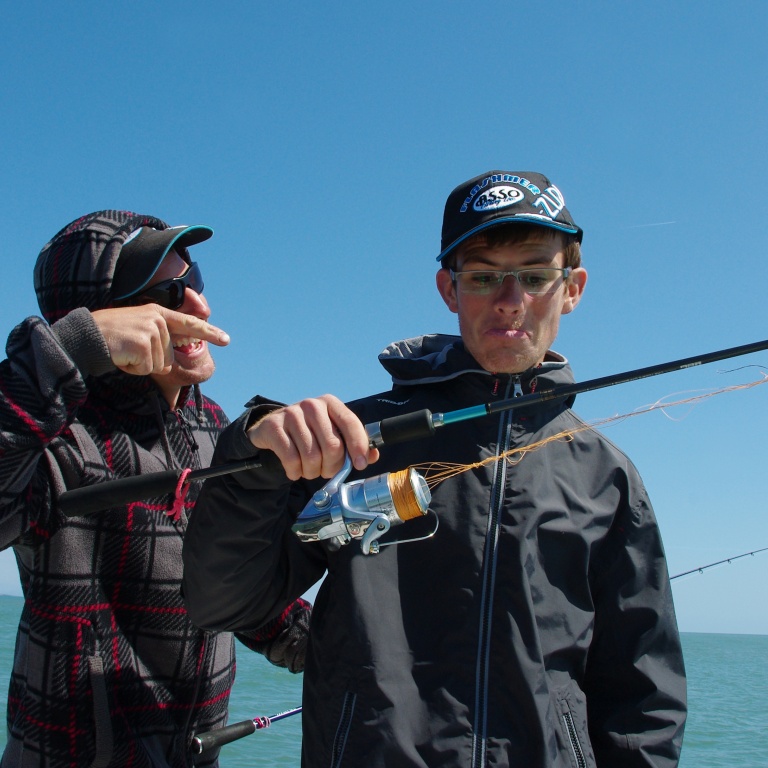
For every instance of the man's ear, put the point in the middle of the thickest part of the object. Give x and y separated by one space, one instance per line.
447 289
574 289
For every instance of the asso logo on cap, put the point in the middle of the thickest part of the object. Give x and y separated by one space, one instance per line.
497 197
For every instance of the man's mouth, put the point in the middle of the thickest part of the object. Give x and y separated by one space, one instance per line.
186 345
513 330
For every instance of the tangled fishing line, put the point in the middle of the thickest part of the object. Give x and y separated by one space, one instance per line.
436 472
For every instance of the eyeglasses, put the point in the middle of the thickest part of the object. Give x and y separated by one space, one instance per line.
170 293
534 282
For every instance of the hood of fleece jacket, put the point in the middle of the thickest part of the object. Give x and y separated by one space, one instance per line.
441 357
75 269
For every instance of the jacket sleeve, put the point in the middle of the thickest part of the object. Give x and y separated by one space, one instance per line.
42 384
635 683
243 566
283 641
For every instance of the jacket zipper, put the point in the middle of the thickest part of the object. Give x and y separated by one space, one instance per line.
489 584
574 739
186 431
342 732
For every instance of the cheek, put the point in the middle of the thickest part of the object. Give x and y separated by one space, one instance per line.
545 318
552 324
469 307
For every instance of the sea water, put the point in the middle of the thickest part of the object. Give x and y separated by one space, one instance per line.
727 698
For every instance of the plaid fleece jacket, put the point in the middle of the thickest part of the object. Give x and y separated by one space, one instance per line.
108 670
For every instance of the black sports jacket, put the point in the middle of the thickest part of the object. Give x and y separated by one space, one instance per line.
535 628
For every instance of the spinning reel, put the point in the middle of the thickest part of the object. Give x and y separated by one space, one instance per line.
363 509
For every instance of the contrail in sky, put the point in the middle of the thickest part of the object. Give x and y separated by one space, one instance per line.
657 224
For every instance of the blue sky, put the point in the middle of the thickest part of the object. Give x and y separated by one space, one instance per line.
320 142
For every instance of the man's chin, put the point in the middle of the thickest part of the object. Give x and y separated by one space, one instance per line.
506 362
196 375
185 376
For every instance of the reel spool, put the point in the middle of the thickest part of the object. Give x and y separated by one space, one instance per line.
363 509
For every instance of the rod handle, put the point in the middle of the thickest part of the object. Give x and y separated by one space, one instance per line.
401 429
94 498
217 738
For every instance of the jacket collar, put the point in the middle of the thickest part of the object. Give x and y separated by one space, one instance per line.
441 357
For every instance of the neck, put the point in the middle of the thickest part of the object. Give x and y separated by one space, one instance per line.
170 393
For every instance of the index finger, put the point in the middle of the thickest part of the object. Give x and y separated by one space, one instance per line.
352 432
189 325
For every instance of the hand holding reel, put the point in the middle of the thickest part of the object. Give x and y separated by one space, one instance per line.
363 509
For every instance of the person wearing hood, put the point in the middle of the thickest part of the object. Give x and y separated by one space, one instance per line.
108 668
527 618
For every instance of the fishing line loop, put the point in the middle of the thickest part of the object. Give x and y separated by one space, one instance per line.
179 496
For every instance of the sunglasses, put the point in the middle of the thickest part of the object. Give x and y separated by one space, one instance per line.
170 293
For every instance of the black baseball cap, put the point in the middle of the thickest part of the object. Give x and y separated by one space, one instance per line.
503 197
143 252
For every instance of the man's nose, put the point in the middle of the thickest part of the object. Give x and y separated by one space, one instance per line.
510 292
195 304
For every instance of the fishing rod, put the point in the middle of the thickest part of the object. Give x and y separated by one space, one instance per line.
703 568
390 431
217 738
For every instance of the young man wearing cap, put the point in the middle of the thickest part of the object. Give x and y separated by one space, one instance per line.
108 669
535 627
